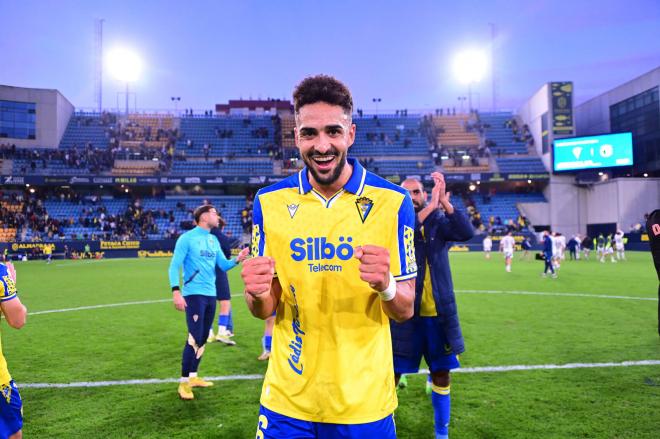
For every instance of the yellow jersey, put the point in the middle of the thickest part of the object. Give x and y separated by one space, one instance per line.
427 306
331 356
7 292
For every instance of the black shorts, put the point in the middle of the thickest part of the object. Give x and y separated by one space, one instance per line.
222 291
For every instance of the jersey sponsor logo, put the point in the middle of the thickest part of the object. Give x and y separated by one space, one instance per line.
318 248
319 268
364 206
292 208
207 254
296 343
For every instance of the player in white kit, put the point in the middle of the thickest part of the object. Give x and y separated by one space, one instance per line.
556 250
618 246
562 246
507 247
488 246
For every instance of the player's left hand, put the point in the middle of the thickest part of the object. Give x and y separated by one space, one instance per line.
243 255
12 270
374 266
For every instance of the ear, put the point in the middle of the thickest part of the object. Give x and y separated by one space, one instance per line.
351 134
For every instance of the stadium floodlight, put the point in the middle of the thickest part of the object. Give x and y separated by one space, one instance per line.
470 67
125 65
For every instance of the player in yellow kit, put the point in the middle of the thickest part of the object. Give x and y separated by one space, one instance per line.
11 406
333 254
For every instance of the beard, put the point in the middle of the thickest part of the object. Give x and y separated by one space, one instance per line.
419 207
325 179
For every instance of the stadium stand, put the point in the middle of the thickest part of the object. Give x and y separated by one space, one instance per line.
228 136
389 135
502 138
221 167
452 131
526 164
84 129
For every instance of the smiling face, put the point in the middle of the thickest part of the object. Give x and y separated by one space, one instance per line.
324 132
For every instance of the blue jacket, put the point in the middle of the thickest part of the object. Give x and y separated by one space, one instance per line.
547 246
440 231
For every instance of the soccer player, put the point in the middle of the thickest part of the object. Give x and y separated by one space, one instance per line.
11 406
267 339
526 246
562 247
507 247
334 254
548 254
587 245
488 246
222 290
618 245
600 248
434 332
556 250
198 252
48 251
609 251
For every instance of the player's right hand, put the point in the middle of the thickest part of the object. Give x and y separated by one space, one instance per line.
257 274
179 302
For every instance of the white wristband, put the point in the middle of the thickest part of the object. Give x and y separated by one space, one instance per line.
390 291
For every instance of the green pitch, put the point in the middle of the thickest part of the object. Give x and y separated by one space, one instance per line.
144 341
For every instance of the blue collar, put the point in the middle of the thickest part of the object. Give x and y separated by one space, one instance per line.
354 185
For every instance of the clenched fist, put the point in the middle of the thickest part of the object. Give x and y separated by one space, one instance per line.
258 275
374 266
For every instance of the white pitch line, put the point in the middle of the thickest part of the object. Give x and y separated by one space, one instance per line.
520 293
538 293
106 305
134 382
487 369
94 261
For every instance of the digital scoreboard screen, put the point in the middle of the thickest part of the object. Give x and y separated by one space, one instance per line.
593 152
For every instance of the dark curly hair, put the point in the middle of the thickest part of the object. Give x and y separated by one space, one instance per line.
322 88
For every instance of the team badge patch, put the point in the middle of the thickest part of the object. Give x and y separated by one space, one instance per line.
364 206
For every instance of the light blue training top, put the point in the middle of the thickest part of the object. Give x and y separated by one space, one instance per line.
199 252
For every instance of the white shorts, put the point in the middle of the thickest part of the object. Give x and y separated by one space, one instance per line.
487 249
619 248
508 253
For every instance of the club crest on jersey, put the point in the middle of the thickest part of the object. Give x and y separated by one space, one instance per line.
364 206
293 208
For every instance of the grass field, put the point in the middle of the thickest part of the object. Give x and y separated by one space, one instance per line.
144 341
